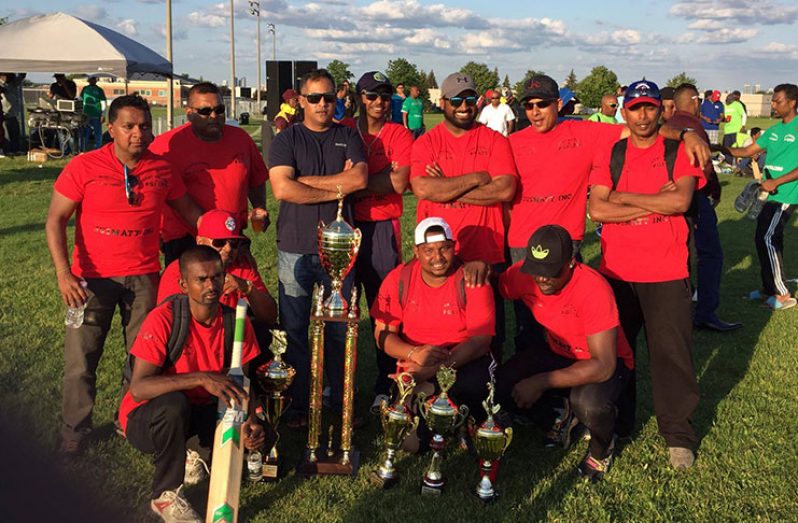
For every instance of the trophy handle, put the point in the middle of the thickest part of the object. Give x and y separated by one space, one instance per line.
508 437
421 406
462 414
414 425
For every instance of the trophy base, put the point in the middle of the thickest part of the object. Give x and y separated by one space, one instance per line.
432 488
271 471
329 465
333 317
381 482
487 498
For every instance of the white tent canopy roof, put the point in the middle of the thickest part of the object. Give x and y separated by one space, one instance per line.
29 46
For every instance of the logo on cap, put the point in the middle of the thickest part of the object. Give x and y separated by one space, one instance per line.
643 88
534 85
538 252
230 224
378 76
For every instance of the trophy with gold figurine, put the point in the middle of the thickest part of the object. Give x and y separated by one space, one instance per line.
443 417
397 423
275 377
490 443
338 247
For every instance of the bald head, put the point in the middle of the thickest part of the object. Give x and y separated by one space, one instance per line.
685 97
609 104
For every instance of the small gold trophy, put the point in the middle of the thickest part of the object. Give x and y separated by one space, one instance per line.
490 443
275 377
397 423
443 416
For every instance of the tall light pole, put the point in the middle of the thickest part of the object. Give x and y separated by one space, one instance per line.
273 31
254 9
170 100
232 62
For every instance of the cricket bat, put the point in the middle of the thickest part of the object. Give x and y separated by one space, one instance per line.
228 441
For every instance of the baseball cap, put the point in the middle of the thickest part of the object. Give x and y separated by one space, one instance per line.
547 251
541 86
666 93
289 94
566 95
457 83
371 81
219 225
640 92
433 221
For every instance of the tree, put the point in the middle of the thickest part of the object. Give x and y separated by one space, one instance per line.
599 82
520 86
400 71
571 82
483 77
506 82
339 71
680 79
432 82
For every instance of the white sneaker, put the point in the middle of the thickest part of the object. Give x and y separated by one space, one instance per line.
172 507
196 468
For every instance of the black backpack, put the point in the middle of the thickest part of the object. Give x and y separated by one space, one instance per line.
181 319
619 157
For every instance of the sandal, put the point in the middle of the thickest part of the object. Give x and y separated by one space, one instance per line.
778 303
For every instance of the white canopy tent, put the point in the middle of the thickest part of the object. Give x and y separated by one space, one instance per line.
62 43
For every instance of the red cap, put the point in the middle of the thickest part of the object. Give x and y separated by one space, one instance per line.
290 94
219 225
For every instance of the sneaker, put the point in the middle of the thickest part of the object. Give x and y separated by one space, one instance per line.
172 507
778 303
196 469
594 469
560 433
681 458
377 403
746 197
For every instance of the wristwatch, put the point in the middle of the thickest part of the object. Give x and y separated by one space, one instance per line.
685 130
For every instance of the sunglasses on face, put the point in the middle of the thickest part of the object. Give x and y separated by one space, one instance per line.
314 98
613 105
371 96
457 101
131 181
207 111
219 244
543 104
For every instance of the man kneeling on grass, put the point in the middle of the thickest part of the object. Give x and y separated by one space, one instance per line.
172 401
588 359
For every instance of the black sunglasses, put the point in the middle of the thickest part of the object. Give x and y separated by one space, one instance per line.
131 181
613 105
219 244
315 98
207 111
371 96
543 104
457 101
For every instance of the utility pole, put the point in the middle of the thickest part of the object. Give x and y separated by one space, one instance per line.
170 101
232 112
254 9
273 31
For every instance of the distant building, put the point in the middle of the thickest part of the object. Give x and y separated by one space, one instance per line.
155 88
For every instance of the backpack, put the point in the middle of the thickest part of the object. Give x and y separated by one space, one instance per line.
407 273
181 319
619 157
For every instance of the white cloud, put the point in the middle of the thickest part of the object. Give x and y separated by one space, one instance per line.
91 12
727 36
737 12
128 27
621 37
197 19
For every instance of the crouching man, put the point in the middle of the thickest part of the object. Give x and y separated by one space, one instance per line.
173 398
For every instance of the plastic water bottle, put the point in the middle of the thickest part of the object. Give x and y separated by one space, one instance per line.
255 466
74 315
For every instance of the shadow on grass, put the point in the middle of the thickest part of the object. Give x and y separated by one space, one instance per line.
28 227
31 174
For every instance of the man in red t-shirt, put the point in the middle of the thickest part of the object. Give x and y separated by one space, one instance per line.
118 192
436 320
644 257
586 357
220 165
463 172
168 404
378 207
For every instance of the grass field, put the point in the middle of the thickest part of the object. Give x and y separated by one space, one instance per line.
747 415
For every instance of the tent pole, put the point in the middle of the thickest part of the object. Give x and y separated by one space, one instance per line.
170 102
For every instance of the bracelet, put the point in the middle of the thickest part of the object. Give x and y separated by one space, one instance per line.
63 270
409 356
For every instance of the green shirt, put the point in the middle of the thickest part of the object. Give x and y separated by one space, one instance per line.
736 112
781 144
414 108
603 118
92 97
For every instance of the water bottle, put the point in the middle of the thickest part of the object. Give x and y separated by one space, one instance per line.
255 466
74 315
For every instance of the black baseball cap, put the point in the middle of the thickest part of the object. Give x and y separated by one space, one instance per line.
549 250
666 93
541 86
371 81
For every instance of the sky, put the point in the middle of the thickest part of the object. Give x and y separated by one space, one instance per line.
723 45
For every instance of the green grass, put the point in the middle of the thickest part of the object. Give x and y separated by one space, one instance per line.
749 403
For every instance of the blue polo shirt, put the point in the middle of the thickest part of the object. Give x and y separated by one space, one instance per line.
711 110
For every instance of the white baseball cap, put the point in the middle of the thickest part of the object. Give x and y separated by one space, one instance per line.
433 221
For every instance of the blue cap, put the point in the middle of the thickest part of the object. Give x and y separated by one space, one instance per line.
566 95
640 92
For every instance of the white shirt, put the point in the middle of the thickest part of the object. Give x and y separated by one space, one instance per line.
497 117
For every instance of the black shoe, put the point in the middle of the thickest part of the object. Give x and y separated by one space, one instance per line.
718 325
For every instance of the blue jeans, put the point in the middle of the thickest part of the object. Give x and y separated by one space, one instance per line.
297 274
93 126
710 259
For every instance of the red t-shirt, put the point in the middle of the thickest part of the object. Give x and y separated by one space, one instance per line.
112 237
202 352
478 229
392 144
432 314
652 248
553 170
585 306
217 175
169 284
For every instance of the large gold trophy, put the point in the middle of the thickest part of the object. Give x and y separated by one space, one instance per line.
338 247
397 423
443 416
490 443
274 378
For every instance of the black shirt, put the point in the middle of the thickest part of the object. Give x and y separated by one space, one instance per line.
311 153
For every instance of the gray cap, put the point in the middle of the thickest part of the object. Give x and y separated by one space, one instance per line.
456 83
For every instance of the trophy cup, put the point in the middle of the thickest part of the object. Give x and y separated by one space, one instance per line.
490 443
275 377
338 247
442 417
397 423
